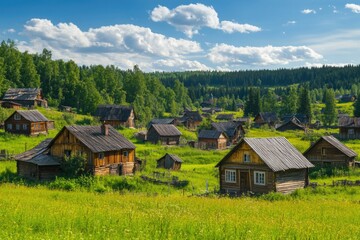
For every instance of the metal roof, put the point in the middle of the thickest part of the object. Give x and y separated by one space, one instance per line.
276 152
337 144
32 115
166 129
93 138
210 134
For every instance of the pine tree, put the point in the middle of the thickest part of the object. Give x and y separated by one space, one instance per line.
329 110
304 102
357 107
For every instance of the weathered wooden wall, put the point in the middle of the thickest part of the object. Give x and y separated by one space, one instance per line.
332 157
155 138
289 181
207 143
32 128
32 171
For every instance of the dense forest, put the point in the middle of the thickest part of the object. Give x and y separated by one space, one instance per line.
153 94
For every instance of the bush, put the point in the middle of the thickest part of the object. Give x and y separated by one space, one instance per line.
69 118
63 184
75 165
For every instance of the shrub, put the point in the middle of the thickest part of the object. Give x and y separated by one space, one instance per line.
75 165
63 184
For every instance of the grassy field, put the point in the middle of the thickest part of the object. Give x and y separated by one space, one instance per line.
38 213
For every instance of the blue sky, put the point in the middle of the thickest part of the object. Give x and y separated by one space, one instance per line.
188 35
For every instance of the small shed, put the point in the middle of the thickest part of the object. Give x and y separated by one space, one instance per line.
329 151
166 134
28 122
263 165
116 115
36 164
169 161
211 139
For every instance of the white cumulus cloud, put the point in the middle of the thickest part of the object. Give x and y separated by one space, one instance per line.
189 19
353 7
229 55
308 11
115 44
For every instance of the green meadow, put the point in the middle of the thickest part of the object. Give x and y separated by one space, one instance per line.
117 207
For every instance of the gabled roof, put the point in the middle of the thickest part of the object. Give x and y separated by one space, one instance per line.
162 121
336 143
210 134
228 128
225 117
41 148
349 122
302 118
268 116
113 112
276 152
166 129
93 138
31 115
21 94
174 157
293 121
191 115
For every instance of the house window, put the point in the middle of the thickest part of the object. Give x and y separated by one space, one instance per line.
323 151
259 178
101 155
230 176
67 153
25 126
246 157
17 127
126 153
9 126
17 116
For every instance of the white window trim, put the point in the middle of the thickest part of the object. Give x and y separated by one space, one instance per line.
230 172
17 116
259 183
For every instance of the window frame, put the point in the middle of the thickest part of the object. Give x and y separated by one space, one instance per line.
101 156
17 117
257 180
229 174
323 151
125 153
9 126
25 126
247 157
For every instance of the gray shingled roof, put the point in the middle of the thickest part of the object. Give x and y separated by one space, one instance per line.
21 94
92 137
32 115
337 144
41 148
166 129
225 117
210 134
172 156
228 128
113 112
162 121
191 115
268 117
346 121
276 152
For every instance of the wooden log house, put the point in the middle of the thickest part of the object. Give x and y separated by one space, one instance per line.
263 165
28 122
116 115
329 151
212 139
27 97
165 134
169 161
233 130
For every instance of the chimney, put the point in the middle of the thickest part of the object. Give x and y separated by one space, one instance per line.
105 129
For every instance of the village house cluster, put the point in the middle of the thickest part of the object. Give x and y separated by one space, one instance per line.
258 165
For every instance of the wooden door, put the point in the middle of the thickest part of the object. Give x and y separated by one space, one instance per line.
244 182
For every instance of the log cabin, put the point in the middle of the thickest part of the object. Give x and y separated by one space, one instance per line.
116 115
292 124
265 118
234 131
212 139
107 151
263 165
169 161
10 104
349 127
27 97
191 119
165 134
329 151
28 122
37 164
